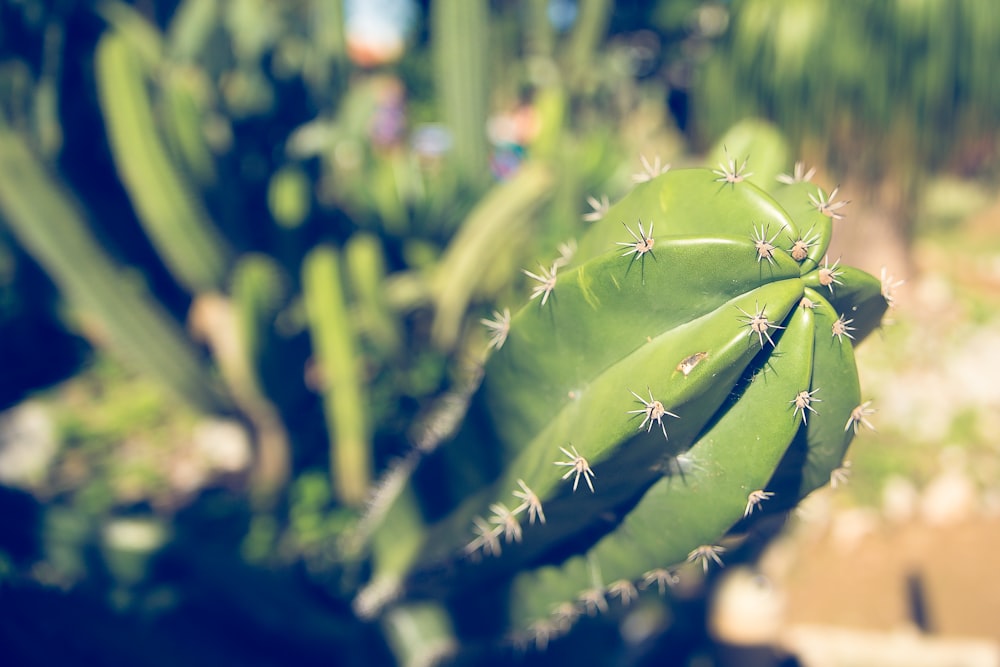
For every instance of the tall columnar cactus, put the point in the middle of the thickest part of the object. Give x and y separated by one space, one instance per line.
690 367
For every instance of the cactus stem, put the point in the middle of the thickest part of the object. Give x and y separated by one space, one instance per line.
578 466
662 577
765 247
729 172
859 417
546 282
840 329
650 171
799 174
498 327
654 412
754 500
599 208
803 401
828 274
706 553
826 204
759 324
531 502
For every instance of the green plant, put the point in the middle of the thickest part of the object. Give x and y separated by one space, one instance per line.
690 364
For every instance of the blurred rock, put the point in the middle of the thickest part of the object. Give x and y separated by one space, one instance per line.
223 444
949 498
900 498
747 609
850 527
27 445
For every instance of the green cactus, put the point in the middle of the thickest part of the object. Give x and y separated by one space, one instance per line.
117 308
692 362
171 213
336 350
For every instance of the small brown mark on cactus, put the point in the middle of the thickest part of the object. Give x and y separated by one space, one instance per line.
599 208
624 590
806 302
706 553
578 466
759 324
650 171
546 280
653 411
828 274
754 500
730 172
765 247
662 577
498 327
799 174
529 501
859 417
803 402
827 204
689 362
842 328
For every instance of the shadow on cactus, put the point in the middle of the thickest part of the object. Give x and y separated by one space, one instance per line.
688 370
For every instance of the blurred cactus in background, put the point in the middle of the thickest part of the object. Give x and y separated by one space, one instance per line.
377 239
902 92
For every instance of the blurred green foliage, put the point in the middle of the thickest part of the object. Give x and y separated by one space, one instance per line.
877 88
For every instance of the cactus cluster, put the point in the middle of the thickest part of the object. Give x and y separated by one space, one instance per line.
689 367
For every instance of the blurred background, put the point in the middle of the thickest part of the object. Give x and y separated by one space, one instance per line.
245 245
